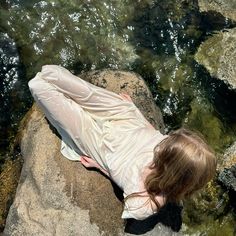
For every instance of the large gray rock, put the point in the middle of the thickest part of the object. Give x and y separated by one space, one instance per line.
56 196
226 7
218 55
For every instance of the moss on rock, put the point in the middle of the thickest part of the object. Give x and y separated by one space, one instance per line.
208 212
218 55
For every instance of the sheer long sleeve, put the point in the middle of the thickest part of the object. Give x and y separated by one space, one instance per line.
63 113
90 97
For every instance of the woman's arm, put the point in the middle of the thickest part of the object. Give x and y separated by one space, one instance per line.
77 89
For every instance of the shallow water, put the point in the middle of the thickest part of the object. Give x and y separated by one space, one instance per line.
156 39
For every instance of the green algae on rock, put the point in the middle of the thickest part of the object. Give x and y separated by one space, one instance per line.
218 58
201 115
207 213
213 227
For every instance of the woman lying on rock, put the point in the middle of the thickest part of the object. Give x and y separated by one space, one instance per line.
107 131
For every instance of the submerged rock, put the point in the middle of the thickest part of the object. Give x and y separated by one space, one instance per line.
218 55
226 8
209 213
56 196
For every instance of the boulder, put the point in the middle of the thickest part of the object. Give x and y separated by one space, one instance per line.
56 196
225 7
218 55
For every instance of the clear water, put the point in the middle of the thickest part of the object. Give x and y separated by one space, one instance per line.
157 39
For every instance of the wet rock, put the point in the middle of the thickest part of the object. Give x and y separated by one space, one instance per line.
203 211
227 175
226 8
56 196
229 158
218 55
208 212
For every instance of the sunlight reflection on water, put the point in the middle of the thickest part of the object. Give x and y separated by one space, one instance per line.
156 39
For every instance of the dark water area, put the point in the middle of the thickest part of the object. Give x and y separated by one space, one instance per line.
156 39
14 95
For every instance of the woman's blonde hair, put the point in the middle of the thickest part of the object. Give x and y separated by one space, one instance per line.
183 163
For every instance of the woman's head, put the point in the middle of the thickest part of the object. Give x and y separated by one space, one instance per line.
183 163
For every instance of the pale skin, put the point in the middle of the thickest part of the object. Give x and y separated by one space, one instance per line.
90 163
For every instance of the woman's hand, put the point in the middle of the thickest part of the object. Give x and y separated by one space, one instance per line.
126 97
89 162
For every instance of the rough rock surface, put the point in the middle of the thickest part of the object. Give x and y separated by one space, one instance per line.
218 55
227 175
226 8
229 158
56 196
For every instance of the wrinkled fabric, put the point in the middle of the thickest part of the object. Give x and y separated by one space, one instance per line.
100 124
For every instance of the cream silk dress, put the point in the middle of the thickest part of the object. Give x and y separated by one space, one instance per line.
100 124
